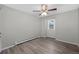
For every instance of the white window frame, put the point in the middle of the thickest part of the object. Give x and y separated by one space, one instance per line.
53 23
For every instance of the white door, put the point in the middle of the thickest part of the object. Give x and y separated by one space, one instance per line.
51 28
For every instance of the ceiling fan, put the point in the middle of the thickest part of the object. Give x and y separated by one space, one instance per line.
44 10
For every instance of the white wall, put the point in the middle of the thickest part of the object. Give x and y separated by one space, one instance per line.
0 30
67 27
44 28
45 31
1 27
19 27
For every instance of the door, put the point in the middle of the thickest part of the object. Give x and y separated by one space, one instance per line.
51 28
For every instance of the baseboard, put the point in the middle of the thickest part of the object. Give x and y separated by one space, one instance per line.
47 37
17 44
6 48
68 42
26 41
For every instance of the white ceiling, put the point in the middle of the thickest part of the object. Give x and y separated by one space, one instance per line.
28 8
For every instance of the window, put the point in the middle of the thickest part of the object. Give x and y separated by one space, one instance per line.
51 24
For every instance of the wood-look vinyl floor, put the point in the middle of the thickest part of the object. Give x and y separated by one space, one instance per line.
43 46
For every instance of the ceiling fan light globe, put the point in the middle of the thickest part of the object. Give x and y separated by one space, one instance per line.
44 14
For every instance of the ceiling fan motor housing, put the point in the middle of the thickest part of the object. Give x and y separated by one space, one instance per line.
44 8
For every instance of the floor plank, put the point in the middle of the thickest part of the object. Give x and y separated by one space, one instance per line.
43 46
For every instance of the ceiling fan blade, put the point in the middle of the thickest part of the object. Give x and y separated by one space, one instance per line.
52 9
39 14
36 11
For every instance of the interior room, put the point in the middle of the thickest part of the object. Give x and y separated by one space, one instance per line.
39 28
